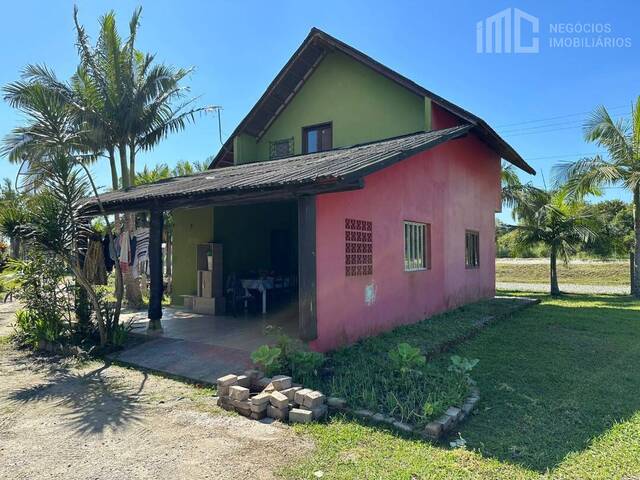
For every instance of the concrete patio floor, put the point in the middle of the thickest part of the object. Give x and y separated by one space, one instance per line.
202 348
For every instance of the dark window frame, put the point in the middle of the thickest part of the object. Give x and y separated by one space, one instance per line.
424 244
273 146
472 249
317 126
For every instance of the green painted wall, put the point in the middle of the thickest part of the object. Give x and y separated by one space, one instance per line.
363 106
245 234
191 227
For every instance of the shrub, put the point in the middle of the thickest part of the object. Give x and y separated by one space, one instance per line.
268 358
462 365
304 366
31 328
406 358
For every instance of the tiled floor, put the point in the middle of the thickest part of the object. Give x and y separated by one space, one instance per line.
203 347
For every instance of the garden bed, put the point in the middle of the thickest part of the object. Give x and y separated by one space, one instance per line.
364 375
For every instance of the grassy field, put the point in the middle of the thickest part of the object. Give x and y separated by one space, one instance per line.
559 388
583 273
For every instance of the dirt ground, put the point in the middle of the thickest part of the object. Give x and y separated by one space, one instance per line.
71 420
7 317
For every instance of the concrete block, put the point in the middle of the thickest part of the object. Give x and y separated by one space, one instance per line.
281 382
244 381
258 415
454 412
278 413
259 408
433 430
378 417
446 421
337 403
299 395
263 382
243 407
298 415
279 400
239 393
404 427
364 414
223 391
225 403
227 380
313 399
290 392
261 399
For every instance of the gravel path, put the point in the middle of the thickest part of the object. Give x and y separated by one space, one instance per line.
7 317
568 288
62 419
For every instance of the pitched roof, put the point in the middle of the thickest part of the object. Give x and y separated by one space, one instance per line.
304 61
332 170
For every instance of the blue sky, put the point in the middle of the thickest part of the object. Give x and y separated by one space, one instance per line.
536 101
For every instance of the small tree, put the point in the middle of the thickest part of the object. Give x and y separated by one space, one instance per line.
550 217
621 139
59 225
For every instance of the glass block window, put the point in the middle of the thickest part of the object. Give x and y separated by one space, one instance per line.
417 246
472 249
358 247
281 148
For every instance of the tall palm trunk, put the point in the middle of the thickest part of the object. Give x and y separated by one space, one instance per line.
635 287
553 271
132 285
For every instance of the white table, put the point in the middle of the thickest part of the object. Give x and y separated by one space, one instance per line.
260 284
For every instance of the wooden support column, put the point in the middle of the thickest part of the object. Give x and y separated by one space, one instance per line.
307 311
155 269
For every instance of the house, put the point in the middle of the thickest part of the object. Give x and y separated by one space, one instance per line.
372 196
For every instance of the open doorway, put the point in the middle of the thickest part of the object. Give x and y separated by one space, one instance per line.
260 261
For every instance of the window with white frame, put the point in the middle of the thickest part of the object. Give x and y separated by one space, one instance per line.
417 246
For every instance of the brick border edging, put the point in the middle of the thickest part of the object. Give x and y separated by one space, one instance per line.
434 430
453 416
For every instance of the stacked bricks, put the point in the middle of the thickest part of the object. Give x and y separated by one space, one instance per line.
257 397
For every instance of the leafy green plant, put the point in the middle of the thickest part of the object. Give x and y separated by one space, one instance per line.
304 365
268 358
31 327
462 365
406 358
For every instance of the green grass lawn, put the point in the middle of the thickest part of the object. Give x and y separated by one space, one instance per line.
560 389
591 273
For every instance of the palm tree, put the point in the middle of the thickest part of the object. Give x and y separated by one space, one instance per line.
621 139
554 219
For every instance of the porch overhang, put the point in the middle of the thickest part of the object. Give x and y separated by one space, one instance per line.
289 178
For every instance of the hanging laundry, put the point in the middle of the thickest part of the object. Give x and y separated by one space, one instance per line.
106 253
94 263
141 254
124 258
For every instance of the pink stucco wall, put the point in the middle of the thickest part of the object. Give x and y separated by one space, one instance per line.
454 187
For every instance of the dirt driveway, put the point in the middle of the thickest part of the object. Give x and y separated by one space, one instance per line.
7 317
94 421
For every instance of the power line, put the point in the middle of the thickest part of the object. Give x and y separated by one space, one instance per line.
557 117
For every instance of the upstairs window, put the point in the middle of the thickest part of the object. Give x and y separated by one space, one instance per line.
317 138
472 249
417 246
281 148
